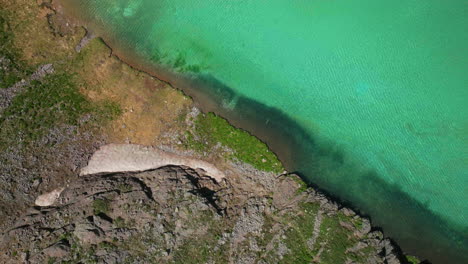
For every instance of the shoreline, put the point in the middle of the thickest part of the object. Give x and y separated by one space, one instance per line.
284 148
74 199
203 101
207 104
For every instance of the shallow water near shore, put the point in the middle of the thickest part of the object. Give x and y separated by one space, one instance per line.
368 95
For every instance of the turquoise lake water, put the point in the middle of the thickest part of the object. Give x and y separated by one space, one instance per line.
371 93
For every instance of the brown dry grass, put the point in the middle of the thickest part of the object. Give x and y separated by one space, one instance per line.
149 105
33 36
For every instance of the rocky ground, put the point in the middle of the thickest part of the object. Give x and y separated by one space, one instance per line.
177 215
63 96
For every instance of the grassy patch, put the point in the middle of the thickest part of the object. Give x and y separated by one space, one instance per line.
45 104
107 110
412 259
119 222
300 231
101 206
266 231
107 245
358 223
203 248
211 129
12 69
337 239
83 254
334 238
302 184
123 187
337 242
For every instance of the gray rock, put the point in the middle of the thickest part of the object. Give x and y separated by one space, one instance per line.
162 211
88 234
59 250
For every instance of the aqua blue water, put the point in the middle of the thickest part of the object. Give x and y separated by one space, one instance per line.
378 87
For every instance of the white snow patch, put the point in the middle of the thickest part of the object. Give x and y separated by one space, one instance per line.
48 199
129 157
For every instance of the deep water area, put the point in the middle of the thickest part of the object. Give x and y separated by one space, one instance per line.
366 99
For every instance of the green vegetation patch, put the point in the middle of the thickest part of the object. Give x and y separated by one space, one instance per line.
302 184
412 259
332 242
205 248
101 206
300 231
336 238
12 69
211 129
56 96
45 104
119 222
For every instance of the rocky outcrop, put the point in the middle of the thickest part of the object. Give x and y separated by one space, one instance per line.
107 208
85 41
48 199
177 214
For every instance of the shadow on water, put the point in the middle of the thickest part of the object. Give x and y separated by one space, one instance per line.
409 222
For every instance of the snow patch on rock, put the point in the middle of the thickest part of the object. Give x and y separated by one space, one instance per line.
129 157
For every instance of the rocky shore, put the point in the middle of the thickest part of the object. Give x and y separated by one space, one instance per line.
202 198
175 214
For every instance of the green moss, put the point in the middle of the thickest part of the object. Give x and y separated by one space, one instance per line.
334 238
195 144
49 103
101 206
412 259
302 184
108 110
211 129
203 249
107 245
358 223
266 231
310 208
80 253
119 222
45 104
337 239
123 187
300 231
65 236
